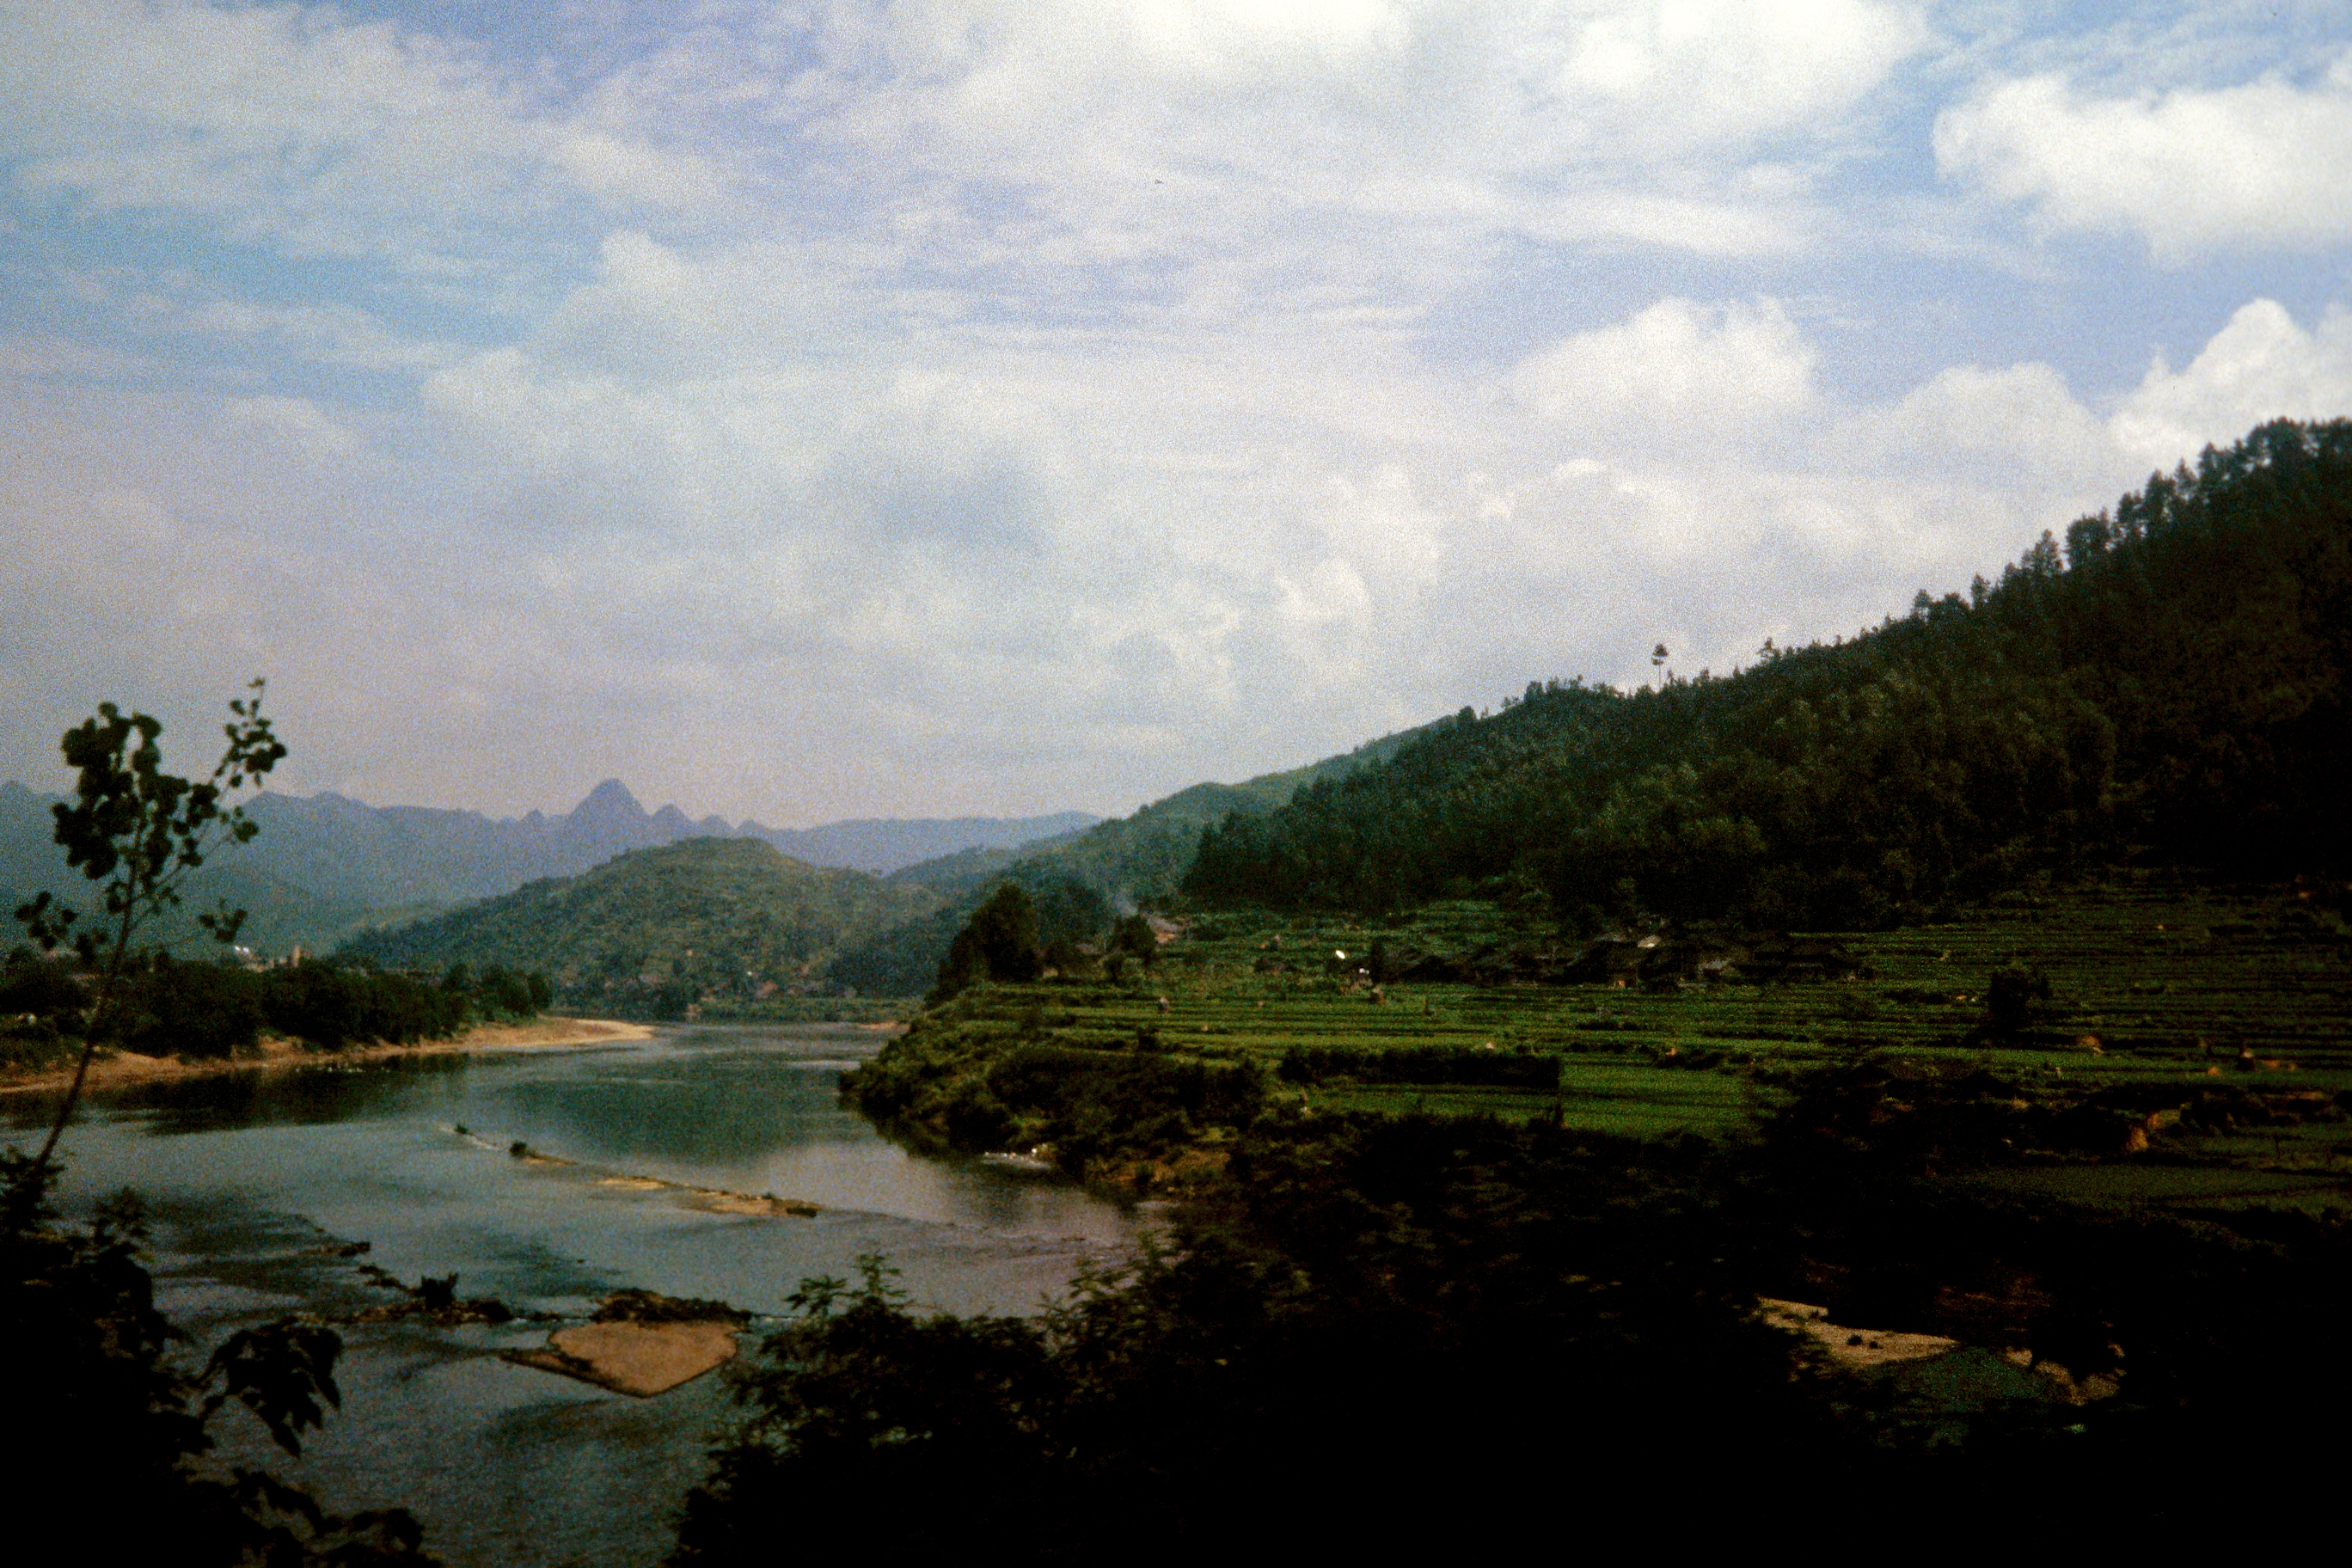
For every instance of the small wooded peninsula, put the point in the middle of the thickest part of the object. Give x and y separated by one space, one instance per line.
1905 1079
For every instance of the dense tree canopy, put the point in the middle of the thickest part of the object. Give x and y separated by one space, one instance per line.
649 932
998 942
2170 680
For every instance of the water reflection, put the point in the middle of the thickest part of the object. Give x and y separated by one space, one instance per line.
704 1104
745 1109
304 1096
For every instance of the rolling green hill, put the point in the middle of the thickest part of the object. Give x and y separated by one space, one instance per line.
1081 881
705 921
324 869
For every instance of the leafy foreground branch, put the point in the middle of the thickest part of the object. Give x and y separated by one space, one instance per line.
138 832
114 1433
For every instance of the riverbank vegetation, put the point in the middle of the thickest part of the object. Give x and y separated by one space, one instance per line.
202 1012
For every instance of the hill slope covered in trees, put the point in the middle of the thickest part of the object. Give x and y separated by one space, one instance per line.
1081 882
650 932
2171 682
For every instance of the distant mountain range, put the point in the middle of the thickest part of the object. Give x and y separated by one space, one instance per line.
728 922
401 854
327 865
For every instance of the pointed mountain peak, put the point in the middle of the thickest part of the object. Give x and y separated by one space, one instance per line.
610 801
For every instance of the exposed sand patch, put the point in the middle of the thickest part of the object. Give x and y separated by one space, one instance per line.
1953 1373
718 1200
710 1200
637 1359
642 1342
114 1069
1849 1347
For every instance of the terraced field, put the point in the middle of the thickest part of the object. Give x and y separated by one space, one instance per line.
2227 1009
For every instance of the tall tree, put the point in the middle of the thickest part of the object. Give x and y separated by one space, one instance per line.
999 942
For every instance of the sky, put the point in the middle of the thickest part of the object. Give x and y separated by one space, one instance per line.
947 406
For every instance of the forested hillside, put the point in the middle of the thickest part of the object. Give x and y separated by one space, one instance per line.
1079 882
650 932
2167 683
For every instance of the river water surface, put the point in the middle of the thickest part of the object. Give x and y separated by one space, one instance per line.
254 1182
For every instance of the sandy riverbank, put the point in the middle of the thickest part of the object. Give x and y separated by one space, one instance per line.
115 1070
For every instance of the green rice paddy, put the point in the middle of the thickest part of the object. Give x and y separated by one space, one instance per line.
2173 990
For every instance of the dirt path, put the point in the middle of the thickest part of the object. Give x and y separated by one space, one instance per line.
119 1069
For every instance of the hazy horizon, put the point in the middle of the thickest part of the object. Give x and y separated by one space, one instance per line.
868 410
692 816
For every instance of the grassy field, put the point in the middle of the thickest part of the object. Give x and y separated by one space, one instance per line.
2225 1008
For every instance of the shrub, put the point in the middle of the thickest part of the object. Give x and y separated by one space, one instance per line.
189 1009
37 987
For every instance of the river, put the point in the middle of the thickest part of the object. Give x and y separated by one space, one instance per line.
254 1183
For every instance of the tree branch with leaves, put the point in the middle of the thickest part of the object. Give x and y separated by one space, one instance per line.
139 833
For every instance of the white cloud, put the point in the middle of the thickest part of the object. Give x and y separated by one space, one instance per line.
634 172
1696 373
1193 129
294 127
337 333
965 405
2259 166
294 421
535 417
1674 73
2260 367
2019 426
1730 71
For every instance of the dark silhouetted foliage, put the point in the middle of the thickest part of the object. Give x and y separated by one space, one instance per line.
40 988
188 1009
115 1432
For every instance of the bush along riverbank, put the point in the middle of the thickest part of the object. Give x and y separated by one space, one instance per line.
209 1012
978 1076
